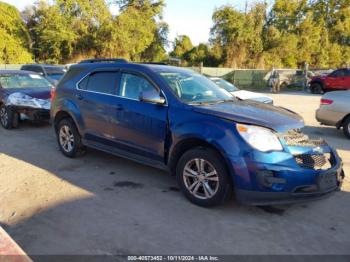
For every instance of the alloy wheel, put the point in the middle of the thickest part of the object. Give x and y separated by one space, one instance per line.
4 116
66 138
201 178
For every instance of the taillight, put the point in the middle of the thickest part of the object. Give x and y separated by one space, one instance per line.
53 93
326 101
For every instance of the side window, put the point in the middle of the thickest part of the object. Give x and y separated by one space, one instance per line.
35 69
338 73
131 86
101 82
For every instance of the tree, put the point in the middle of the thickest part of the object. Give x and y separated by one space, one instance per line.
15 40
156 51
69 30
239 34
133 31
182 45
53 38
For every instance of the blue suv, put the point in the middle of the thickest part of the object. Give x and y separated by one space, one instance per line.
178 120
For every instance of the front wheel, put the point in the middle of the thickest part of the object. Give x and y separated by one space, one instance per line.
346 127
8 117
203 178
316 88
69 139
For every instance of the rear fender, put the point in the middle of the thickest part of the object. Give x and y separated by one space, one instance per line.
69 107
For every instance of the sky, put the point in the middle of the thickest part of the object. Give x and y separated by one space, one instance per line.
185 17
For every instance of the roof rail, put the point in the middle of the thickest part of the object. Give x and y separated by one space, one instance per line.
104 60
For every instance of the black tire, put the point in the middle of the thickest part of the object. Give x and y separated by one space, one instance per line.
223 188
76 149
316 88
346 127
9 118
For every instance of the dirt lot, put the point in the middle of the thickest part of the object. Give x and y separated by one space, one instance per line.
101 204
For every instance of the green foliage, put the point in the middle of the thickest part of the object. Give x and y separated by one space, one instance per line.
15 40
239 35
70 30
293 32
289 34
182 45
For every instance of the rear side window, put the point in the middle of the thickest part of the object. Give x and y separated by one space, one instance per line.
338 73
101 82
131 86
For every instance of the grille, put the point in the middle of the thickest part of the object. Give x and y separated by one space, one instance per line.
297 138
317 162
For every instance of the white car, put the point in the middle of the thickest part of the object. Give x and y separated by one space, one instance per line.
241 94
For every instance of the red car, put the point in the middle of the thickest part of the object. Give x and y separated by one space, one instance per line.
337 80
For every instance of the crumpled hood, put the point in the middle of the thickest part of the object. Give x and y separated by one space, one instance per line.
40 93
244 95
249 112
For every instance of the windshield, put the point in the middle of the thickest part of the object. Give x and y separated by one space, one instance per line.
225 85
23 81
193 88
56 76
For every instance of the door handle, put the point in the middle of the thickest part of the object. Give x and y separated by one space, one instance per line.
79 97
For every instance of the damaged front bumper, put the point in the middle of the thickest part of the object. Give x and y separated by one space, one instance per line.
325 184
32 114
307 169
29 108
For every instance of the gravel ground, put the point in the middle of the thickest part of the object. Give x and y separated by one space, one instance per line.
102 204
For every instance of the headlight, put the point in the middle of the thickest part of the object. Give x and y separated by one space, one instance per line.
260 138
19 99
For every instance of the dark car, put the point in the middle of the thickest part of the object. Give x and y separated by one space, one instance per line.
337 80
23 95
52 73
181 121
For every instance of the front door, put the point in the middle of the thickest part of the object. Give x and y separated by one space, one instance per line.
139 127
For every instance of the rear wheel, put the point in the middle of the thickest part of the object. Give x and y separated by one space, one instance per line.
8 117
203 177
69 139
316 88
346 127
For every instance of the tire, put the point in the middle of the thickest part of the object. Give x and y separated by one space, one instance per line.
9 118
198 187
316 88
69 139
346 127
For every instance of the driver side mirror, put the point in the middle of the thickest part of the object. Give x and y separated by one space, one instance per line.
152 97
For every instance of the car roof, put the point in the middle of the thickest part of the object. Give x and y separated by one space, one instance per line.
156 68
17 72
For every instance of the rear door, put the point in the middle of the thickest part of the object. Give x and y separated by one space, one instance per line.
139 127
96 96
